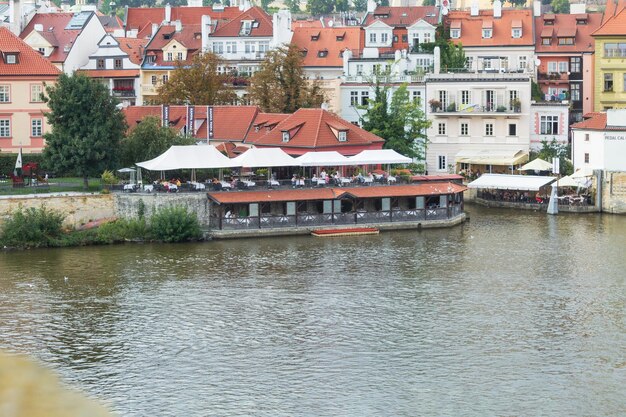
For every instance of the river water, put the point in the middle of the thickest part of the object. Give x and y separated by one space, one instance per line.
511 314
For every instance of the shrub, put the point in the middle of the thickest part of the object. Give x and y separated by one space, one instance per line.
122 230
175 224
32 227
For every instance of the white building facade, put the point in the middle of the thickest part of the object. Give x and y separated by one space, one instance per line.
549 122
600 142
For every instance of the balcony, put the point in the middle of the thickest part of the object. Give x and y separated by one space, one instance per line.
123 92
149 89
478 109
553 76
387 79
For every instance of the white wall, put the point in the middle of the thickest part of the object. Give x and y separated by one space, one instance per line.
85 45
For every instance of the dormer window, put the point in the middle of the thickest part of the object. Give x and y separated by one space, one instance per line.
548 19
315 37
322 53
285 136
342 136
487 33
581 19
246 27
303 52
341 37
257 128
11 58
487 29
566 41
545 41
455 33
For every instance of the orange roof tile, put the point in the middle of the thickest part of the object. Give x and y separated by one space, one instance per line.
402 16
189 37
594 121
583 41
471 34
614 25
430 188
315 131
141 18
54 32
110 73
233 27
29 61
134 47
333 40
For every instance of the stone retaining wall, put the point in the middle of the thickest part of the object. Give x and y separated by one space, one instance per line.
614 192
79 208
128 205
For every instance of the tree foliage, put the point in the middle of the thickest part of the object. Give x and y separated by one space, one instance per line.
149 139
293 5
428 3
560 6
452 57
401 122
320 7
86 127
553 149
198 83
280 85
360 5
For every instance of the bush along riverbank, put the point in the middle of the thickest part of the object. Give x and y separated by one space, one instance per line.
43 228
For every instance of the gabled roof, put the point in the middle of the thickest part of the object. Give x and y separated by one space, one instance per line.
403 16
142 18
256 14
583 41
316 129
29 61
333 40
595 121
55 32
613 25
134 48
189 36
472 26
110 23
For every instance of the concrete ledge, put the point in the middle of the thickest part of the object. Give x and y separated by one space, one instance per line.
533 206
294 231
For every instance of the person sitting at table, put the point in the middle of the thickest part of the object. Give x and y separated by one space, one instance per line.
336 179
294 181
360 178
323 175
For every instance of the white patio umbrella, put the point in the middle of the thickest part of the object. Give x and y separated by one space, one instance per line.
583 173
569 182
537 165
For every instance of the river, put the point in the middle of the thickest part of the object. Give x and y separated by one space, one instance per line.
511 314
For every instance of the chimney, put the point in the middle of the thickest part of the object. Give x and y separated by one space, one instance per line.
347 55
371 6
474 8
178 25
497 9
281 28
206 31
577 8
537 8
436 60
168 12
155 28
194 3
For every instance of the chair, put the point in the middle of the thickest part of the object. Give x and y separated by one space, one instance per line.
242 185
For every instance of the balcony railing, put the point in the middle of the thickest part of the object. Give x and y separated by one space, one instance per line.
478 108
124 92
553 76
404 78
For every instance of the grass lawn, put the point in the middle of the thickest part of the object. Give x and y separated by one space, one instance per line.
54 185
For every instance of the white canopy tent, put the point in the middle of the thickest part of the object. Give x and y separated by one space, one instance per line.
571 181
188 157
511 182
264 158
491 157
378 156
537 165
583 173
315 159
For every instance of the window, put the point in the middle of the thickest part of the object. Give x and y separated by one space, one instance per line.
464 129
372 38
514 101
522 61
566 41
231 47
443 98
323 53
624 80
553 66
42 51
154 79
469 62
249 47
441 163
488 129
117 63
427 37
36 93
608 82
417 97
36 128
264 47
516 33
465 97
487 33
405 38
384 38
285 136
486 63
586 158
615 50
574 64
586 137
365 98
562 66
395 39
441 129
574 90
359 69
455 33
545 41
512 129
343 136
179 56
5 128
354 98
100 63
165 78
218 48
5 93
549 125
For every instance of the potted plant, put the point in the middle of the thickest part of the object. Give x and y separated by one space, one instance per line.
434 105
500 109
516 104
451 107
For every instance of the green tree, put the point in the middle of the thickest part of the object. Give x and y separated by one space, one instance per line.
86 127
198 83
280 85
320 7
560 6
553 149
150 139
360 5
401 122
452 57
428 3
293 5
342 5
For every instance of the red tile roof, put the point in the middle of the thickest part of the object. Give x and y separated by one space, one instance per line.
111 73
134 48
403 16
230 149
29 61
333 40
189 36
256 14
54 32
596 121
332 193
613 25
141 18
262 123
316 129
583 41
471 27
